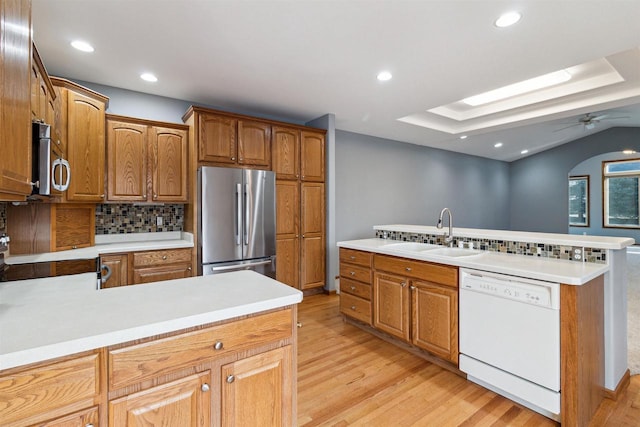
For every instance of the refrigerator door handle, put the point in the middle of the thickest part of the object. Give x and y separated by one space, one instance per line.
247 213
240 266
238 214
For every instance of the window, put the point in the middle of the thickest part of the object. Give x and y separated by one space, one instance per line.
620 188
579 201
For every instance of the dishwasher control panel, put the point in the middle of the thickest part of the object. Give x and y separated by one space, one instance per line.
538 293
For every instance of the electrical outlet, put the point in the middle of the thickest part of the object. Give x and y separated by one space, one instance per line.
158 221
577 254
539 251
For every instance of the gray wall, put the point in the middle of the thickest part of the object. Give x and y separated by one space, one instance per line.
538 190
381 181
593 169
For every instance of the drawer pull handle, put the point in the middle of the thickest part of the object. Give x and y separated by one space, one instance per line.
353 307
205 387
408 268
353 288
218 345
231 379
353 273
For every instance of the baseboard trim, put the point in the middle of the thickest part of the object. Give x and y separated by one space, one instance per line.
622 386
329 291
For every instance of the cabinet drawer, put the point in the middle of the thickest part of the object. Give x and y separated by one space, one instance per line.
355 307
358 289
132 364
436 273
355 272
151 258
356 257
39 392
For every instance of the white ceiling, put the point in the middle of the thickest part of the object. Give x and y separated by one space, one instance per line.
302 59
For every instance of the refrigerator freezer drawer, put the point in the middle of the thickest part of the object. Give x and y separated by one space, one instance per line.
266 266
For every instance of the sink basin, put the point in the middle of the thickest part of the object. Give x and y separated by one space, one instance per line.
454 252
411 246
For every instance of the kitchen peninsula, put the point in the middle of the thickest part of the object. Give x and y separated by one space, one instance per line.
70 352
406 285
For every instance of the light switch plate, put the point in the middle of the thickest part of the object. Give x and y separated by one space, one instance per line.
158 221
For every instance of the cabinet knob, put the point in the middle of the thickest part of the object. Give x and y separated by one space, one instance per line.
353 273
88 425
102 196
408 268
231 379
155 196
299 324
233 158
205 387
58 142
144 196
218 345
188 268
353 288
413 288
352 257
74 247
164 257
403 284
353 307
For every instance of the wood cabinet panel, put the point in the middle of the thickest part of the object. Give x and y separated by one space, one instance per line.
352 256
118 264
162 273
126 161
73 226
312 208
435 319
355 272
132 364
86 418
254 144
185 402
85 148
442 274
355 307
287 260
217 139
49 390
312 156
287 207
257 391
392 305
161 257
15 99
169 165
312 259
285 147
355 288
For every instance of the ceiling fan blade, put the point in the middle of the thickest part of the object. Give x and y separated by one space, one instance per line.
567 127
619 117
597 118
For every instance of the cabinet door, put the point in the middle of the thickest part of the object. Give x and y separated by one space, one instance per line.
126 162
217 139
169 165
435 319
258 391
185 402
312 253
88 417
118 264
285 146
254 144
391 305
287 260
287 208
312 156
73 226
85 148
15 98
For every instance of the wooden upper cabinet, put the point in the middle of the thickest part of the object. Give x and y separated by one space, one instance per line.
169 164
145 161
312 156
85 147
15 100
126 161
254 144
217 139
285 146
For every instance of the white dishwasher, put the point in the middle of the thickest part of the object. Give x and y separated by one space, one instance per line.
510 337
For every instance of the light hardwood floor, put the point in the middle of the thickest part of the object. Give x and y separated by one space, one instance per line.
347 377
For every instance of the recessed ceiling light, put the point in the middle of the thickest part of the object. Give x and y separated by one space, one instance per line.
498 144
83 46
519 88
507 19
148 77
629 151
383 76
463 137
524 151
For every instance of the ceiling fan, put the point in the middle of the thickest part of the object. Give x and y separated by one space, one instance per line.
588 121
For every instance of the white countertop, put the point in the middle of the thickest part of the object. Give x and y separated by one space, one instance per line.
42 319
112 243
549 269
600 242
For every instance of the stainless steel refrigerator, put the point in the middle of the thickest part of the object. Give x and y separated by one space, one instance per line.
236 220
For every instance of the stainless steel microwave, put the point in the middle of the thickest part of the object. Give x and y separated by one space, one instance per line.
51 172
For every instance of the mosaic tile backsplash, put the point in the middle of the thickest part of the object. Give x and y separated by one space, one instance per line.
594 255
127 218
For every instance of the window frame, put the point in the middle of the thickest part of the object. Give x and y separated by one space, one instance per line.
584 178
605 194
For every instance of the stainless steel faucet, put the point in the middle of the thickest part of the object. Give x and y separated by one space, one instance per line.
447 238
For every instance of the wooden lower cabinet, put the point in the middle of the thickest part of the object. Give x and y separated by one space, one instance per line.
185 402
257 391
155 266
118 267
287 260
391 310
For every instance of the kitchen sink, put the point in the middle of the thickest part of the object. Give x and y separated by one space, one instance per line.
454 252
412 246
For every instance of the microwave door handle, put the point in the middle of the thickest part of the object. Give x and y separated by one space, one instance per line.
238 214
60 165
67 167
